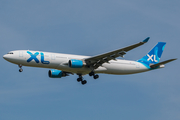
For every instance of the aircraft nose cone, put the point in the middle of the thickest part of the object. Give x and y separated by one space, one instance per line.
8 58
5 57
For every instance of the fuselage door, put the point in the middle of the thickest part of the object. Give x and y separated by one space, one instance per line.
20 53
137 65
52 56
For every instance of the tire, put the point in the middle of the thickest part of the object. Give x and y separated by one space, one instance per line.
91 74
79 79
83 82
20 70
96 76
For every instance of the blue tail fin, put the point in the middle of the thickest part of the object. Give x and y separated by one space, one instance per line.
153 57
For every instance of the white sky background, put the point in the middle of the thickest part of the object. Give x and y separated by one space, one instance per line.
89 28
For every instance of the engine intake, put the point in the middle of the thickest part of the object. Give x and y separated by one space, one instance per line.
73 63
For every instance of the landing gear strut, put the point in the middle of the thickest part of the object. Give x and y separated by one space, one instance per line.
20 66
95 76
83 82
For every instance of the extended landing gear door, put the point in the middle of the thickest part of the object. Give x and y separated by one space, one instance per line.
20 53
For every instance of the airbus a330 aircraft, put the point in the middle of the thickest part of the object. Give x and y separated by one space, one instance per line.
65 64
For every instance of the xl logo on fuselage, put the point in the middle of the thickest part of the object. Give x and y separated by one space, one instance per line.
34 57
151 58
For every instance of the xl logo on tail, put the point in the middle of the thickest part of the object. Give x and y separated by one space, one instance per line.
34 57
151 58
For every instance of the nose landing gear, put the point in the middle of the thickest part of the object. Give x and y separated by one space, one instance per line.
20 66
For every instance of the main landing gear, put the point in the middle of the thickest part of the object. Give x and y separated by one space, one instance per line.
83 82
20 66
95 76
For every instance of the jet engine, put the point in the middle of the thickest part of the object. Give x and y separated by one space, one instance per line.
73 63
56 73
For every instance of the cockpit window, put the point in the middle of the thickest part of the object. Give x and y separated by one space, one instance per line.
10 53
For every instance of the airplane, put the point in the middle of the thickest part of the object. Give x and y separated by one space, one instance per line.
62 65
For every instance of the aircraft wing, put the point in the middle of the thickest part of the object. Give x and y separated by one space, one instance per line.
98 60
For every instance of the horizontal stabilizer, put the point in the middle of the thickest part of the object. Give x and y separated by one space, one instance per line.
162 63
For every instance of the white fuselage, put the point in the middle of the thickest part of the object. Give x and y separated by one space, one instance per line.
60 61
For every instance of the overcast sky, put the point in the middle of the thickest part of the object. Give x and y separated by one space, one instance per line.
89 28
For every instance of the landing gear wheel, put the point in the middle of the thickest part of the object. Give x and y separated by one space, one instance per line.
83 82
79 79
91 73
96 76
20 70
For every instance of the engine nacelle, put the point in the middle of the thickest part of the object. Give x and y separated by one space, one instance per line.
56 73
73 63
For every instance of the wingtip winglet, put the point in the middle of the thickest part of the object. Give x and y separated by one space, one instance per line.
146 40
175 58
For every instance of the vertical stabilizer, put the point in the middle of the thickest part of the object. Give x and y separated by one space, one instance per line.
153 57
